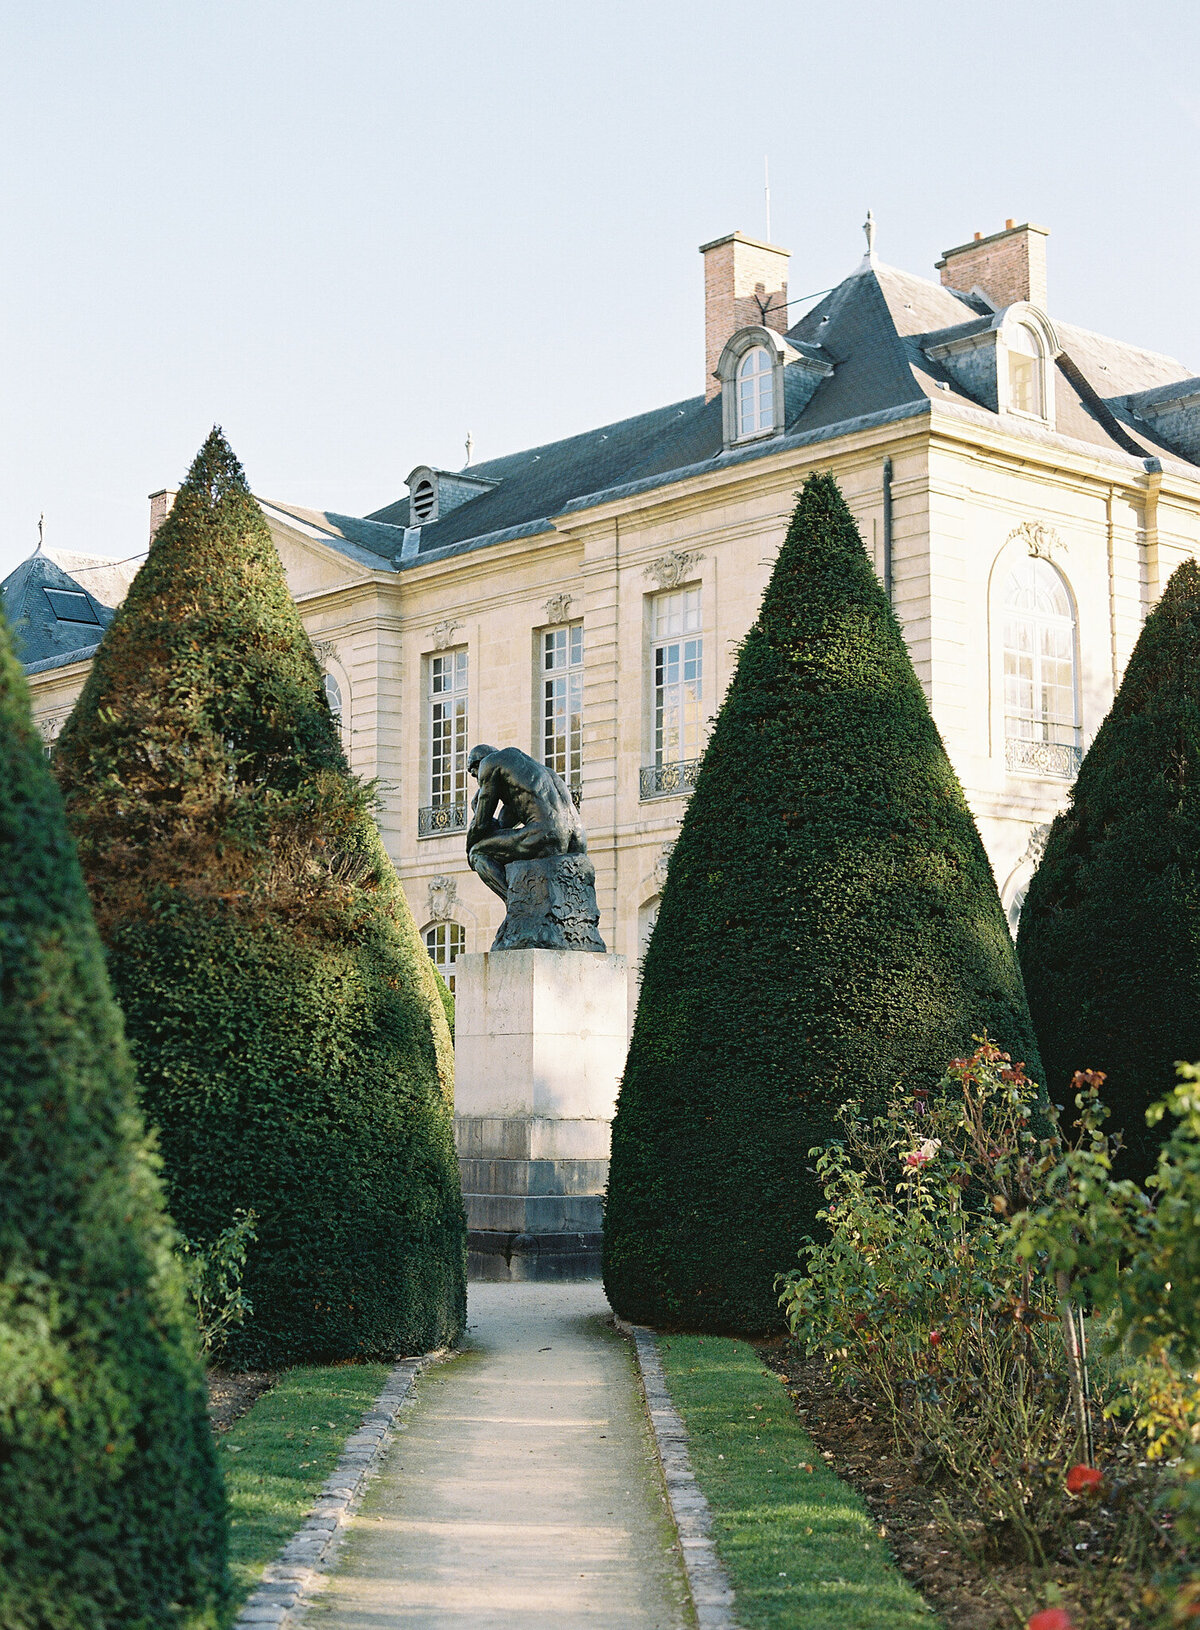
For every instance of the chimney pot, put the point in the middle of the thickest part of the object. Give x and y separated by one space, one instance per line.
745 283
1008 266
1008 226
978 235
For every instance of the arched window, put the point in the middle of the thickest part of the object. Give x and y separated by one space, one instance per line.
1041 715
756 392
333 695
1026 376
445 943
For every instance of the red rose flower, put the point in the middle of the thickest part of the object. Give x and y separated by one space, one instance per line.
1051 1618
935 1338
1084 1479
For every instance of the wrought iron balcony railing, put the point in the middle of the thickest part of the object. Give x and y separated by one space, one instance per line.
668 780
1059 759
438 818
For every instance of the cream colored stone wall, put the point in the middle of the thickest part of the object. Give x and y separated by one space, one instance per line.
960 499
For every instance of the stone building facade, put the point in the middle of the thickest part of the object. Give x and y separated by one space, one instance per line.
1025 488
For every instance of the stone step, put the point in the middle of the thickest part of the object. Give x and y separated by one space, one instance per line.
535 1214
533 1177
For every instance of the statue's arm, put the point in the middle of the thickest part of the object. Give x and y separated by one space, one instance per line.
483 809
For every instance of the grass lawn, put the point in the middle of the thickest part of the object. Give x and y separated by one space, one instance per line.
277 1456
800 1548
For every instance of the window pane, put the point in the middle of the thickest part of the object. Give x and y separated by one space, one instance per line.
1039 659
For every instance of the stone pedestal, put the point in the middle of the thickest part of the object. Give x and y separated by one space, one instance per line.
539 1048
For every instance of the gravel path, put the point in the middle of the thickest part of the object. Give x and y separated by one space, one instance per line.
522 1489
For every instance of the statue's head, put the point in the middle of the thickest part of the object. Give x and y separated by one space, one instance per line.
476 757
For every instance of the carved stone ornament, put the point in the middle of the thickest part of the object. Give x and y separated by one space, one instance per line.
1036 847
325 651
443 892
443 631
51 725
661 864
1043 542
558 608
669 570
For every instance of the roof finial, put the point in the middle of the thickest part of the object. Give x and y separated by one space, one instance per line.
869 229
467 465
41 532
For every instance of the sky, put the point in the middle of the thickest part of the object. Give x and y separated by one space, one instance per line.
352 233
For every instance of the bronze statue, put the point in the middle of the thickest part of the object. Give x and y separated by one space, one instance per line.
527 843
522 811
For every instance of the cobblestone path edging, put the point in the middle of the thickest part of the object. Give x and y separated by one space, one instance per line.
712 1594
305 1559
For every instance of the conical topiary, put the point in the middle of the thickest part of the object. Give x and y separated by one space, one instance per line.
112 1510
291 1043
1109 940
829 928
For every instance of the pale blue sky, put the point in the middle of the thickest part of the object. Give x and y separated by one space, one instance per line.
352 232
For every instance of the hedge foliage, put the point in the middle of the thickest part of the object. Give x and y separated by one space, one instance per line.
1110 931
112 1509
829 928
291 1042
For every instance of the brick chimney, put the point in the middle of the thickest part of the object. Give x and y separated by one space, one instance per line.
745 282
1007 266
160 507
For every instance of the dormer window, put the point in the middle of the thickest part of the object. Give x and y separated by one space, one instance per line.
1026 371
424 500
756 392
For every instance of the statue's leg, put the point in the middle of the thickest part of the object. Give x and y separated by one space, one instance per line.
490 870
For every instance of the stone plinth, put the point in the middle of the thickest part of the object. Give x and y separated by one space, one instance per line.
539 1048
551 906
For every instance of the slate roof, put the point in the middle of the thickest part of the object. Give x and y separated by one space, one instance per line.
874 328
53 618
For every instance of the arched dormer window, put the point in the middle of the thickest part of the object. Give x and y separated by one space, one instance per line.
1041 704
1026 371
755 392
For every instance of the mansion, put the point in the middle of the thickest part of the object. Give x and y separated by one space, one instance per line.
1025 488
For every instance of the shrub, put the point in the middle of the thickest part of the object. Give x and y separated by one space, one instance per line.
213 1277
930 1296
112 1508
291 1042
1109 939
829 927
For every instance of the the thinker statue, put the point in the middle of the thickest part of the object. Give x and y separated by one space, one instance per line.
527 843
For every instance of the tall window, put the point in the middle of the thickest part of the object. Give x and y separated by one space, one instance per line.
1041 721
445 943
448 729
333 695
1026 387
677 674
562 702
756 392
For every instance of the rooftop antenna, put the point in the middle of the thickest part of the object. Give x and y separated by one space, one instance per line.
41 532
467 465
767 193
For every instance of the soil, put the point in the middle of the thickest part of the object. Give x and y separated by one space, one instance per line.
966 1589
231 1392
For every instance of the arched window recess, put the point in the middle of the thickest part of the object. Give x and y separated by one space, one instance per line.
1026 349
756 399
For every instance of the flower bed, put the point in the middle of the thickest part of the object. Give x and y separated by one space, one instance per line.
948 1301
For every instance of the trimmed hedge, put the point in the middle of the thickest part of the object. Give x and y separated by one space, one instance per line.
112 1509
1109 939
291 1041
830 926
